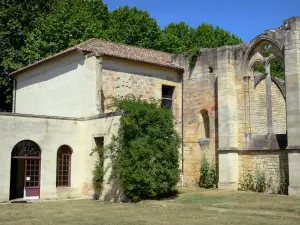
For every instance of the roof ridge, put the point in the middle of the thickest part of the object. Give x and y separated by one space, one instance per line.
130 46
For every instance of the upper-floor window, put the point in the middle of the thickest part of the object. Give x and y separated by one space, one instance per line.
167 96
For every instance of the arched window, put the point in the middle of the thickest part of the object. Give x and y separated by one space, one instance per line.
204 124
63 169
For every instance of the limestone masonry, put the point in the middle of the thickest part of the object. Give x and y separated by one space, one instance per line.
243 120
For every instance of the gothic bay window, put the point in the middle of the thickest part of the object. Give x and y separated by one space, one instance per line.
63 170
167 96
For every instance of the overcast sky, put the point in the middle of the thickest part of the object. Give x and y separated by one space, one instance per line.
246 19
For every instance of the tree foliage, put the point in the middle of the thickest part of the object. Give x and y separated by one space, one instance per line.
145 152
133 27
17 19
72 22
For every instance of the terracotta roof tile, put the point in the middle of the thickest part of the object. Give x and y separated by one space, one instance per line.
105 48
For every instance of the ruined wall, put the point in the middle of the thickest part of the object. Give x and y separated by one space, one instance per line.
272 162
259 110
278 110
259 107
199 112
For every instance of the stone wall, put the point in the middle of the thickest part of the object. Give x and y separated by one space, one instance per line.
50 133
259 110
268 161
259 107
120 78
278 110
199 109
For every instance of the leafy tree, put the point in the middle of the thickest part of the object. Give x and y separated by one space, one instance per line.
133 27
72 22
177 38
146 150
17 19
277 69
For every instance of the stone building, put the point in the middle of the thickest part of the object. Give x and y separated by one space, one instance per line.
60 114
242 119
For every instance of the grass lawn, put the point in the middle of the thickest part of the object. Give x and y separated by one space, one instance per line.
192 206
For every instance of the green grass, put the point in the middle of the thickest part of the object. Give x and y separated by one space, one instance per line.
192 206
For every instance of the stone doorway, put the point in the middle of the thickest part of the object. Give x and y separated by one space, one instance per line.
25 171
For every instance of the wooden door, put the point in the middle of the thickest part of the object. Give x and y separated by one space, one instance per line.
32 179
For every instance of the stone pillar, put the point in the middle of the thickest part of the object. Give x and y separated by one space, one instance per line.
227 100
228 170
269 99
227 117
292 78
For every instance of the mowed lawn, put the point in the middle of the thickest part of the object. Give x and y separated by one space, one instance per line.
192 206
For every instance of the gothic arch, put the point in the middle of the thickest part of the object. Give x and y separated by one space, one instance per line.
253 55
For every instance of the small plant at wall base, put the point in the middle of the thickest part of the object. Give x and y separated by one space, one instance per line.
145 151
98 172
247 183
208 175
260 183
256 182
283 182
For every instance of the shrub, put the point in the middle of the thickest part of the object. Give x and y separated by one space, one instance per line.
145 152
208 175
259 180
247 183
98 172
283 181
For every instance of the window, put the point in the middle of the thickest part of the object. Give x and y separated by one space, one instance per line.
167 96
204 124
99 141
63 169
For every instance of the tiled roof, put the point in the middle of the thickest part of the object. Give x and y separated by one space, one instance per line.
112 49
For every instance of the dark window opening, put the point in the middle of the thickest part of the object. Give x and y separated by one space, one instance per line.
210 69
63 170
99 141
205 118
167 96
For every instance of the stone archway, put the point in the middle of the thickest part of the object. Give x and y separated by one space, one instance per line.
25 171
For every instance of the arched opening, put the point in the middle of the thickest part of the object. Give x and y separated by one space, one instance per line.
204 124
265 111
277 69
25 171
63 166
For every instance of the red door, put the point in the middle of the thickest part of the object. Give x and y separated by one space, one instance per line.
32 179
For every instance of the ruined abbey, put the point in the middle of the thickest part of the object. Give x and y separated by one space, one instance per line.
242 119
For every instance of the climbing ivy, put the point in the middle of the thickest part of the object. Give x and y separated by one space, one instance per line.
145 151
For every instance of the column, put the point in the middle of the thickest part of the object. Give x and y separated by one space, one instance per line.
292 78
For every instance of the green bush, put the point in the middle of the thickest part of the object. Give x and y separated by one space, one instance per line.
260 183
145 152
208 175
247 183
98 172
